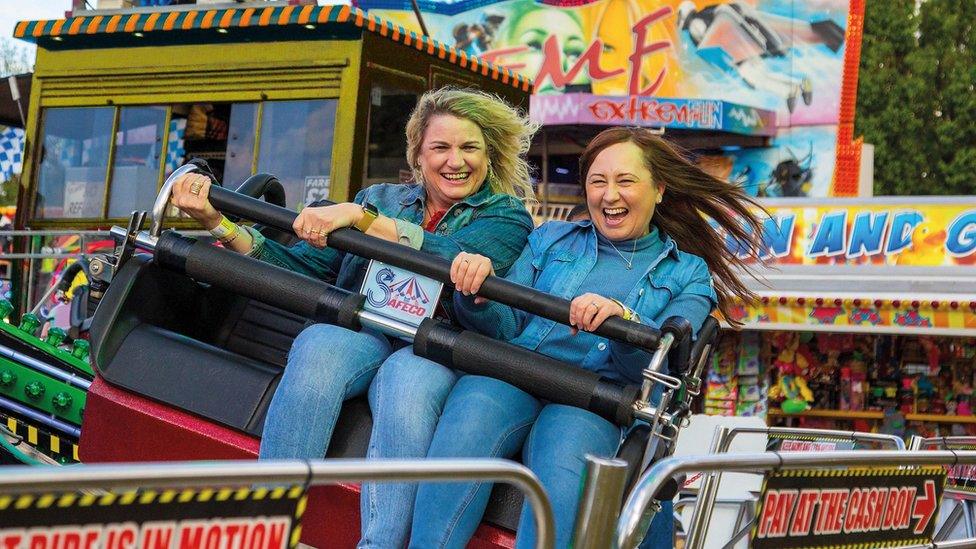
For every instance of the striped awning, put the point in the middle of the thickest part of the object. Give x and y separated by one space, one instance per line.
139 24
838 298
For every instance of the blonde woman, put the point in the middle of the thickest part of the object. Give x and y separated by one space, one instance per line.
467 151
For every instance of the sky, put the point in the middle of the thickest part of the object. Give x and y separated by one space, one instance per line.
12 11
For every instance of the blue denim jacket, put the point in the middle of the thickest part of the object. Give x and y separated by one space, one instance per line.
493 225
559 256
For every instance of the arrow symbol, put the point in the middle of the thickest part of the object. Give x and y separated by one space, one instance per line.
924 508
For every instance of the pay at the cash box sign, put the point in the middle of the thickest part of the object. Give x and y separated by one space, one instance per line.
818 512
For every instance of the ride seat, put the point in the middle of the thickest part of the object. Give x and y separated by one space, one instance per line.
217 355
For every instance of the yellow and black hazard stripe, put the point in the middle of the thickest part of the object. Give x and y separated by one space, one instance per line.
861 472
56 446
158 497
811 438
873 544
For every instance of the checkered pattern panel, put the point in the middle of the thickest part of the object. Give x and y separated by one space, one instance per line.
174 146
11 152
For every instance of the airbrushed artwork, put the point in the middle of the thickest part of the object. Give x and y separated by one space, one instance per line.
780 56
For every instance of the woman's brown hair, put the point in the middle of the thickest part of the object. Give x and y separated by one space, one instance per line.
690 195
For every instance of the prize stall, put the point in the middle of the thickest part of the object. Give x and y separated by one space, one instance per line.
866 319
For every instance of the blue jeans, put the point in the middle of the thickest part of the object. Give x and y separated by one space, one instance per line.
556 452
483 417
326 365
489 418
407 398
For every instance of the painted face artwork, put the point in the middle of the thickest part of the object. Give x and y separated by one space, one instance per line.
453 160
620 193
533 28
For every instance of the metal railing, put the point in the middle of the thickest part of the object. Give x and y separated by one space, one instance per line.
24 479
551 212
48 252
642 496
722 441
38 251
965 500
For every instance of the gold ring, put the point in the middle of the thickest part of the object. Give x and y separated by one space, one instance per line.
594 303
315 231
195 188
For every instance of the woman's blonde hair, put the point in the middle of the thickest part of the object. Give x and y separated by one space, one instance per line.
507 132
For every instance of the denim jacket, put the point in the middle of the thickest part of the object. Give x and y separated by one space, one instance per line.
493 225
557 259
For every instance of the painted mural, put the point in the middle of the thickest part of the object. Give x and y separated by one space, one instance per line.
783 56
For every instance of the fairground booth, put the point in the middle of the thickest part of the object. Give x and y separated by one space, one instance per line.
316 95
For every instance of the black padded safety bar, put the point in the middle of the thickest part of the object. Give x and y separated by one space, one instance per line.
264 185
494 288
470 352
539 375
678 356
296 293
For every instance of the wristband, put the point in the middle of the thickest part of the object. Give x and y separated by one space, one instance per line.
225 229
629 314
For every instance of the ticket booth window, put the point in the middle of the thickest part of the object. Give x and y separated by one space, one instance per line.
220 133
135 167
296 145
293 140
73 162
389 111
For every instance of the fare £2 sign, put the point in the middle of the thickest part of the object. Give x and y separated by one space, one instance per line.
848 508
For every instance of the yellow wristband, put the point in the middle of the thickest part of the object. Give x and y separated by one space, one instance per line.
233 237
628 313
224 229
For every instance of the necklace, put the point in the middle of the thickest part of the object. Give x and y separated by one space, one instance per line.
630 263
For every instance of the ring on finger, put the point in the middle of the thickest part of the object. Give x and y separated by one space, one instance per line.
595 304
195 188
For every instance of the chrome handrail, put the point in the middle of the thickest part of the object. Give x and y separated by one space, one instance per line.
652 481
721 442
21 479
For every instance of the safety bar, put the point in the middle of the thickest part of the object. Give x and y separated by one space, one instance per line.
853 436
722 440
921 443
648 485
471 352
355 242
21 479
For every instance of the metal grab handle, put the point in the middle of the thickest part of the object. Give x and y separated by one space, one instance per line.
494 288
16 479
162 198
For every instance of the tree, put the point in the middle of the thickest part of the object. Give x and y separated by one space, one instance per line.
915 96
14 59
9 190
